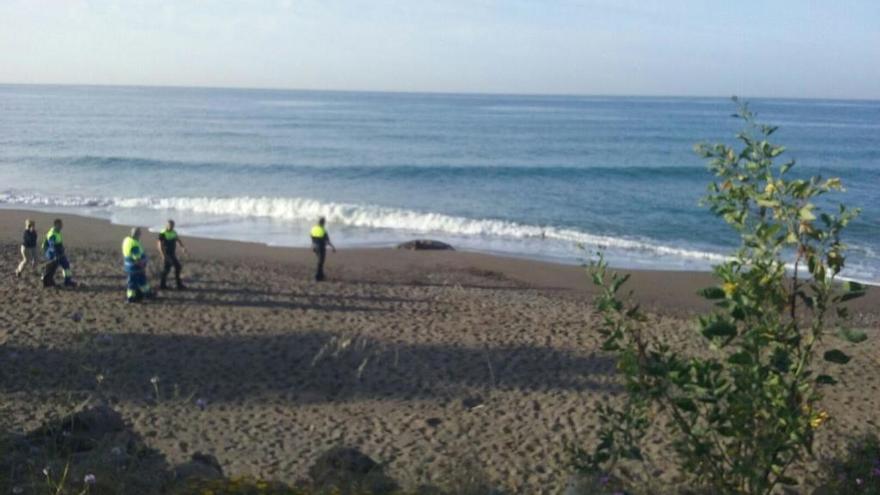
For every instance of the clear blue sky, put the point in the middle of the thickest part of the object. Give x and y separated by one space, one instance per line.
790 48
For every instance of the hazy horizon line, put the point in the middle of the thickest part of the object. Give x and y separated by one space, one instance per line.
428 92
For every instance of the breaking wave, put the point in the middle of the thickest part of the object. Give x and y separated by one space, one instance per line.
366 217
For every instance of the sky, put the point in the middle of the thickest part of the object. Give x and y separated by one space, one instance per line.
752 48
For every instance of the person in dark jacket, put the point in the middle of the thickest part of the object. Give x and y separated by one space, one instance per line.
167 243
28 247
320 241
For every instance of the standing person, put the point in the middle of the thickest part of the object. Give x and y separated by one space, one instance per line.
53 250
28 247
320 241
135 267
168 241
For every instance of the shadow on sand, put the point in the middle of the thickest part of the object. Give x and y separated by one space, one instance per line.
307 367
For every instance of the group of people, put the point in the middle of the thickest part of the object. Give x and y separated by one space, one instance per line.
135 262
53 251
134 257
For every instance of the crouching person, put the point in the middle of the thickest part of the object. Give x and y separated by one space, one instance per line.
136 267
53 250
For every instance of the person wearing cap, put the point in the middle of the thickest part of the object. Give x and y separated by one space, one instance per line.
135 263
28 248
167 243
320 241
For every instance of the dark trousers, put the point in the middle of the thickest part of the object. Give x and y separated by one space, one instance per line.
137 286
52 267
321 253
171 262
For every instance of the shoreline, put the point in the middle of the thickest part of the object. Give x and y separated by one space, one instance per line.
658 290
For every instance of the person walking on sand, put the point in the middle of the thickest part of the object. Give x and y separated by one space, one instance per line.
320 241
135 267
53 250
168 241
28 247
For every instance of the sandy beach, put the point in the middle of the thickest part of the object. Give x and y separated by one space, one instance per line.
418 359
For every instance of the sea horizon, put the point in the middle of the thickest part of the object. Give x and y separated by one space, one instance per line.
444 93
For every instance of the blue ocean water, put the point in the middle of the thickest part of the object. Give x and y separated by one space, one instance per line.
544 177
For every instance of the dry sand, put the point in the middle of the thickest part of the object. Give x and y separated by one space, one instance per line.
419 359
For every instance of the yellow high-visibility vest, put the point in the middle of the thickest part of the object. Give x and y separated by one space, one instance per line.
55 236
131 248
318 232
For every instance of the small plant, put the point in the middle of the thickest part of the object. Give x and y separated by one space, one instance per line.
744 411
859 471
154 381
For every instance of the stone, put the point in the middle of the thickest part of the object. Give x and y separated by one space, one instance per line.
200 467
348 471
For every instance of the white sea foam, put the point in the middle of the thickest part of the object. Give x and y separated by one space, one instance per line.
367 217
373 217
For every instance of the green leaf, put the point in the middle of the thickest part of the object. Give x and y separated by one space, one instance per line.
851 286
806 213
853 290
836 356
833 183
826 380
685 405
712 293
776 151
719 328
740 358
781 360
850 335
618 282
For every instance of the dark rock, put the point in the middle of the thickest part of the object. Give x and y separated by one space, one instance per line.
347 470
82 431
425 245
200 467
75 442
433 422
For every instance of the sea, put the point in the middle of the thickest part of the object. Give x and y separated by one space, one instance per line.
554 178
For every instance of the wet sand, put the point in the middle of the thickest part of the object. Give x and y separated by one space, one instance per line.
419 359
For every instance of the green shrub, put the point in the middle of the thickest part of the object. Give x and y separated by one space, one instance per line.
745 410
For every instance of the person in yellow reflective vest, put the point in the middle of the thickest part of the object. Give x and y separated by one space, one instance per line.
53 250
135 267
320 241
167 243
